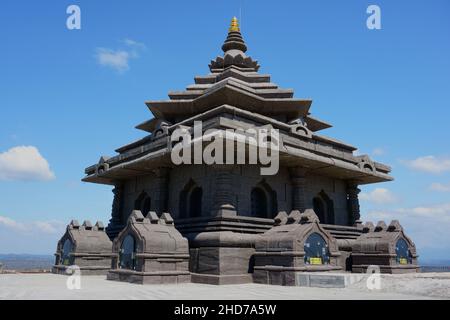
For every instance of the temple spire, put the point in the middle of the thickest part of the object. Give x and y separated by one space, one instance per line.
234 49
234 39
234 26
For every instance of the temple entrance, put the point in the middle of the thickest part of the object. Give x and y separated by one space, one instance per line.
195 202
259 202
403 255
127 253
143 203
316 250
67 249
191 201
324 208
263 201
319 208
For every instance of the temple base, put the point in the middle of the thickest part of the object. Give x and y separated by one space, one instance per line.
85 271
149 277
222 257
221 279
282 277
388 269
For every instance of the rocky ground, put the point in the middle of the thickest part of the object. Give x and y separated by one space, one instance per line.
50 286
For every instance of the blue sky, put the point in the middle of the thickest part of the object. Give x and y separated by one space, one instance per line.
69 96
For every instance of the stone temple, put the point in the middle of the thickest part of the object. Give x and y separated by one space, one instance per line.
226 223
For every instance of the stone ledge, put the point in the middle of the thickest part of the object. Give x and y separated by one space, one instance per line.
221 279
327 280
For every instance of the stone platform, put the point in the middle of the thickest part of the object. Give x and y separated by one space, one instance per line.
327 279
52 286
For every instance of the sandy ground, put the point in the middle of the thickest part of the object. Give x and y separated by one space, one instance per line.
50 286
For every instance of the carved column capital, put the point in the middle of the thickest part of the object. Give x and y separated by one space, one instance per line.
352 185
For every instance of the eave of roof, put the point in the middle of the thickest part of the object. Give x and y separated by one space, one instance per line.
232 95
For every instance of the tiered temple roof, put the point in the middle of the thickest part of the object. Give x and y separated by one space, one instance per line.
235 88
234 80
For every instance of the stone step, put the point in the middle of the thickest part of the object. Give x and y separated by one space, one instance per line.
328 280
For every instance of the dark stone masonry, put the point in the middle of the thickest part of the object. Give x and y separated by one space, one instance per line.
85 246
227 223
150 250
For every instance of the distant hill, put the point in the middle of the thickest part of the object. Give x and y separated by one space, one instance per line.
434 262
24 262
435 265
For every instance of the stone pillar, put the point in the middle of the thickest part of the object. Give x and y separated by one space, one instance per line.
116 222
116 212
353 203
162 189
223 197
298 180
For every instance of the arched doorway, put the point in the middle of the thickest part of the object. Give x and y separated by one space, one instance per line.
263 201
324 208
66 250
191 200
316 250
195 202
143 203
319 208
259 202
127 253
403 255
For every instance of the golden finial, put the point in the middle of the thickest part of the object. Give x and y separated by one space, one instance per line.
234 26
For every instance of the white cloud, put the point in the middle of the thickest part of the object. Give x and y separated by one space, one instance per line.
430 164
440 187
134 44
379 196
378 152
119 59
426 225
24 163
45 227
440 212
376 216
50 227
11 224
